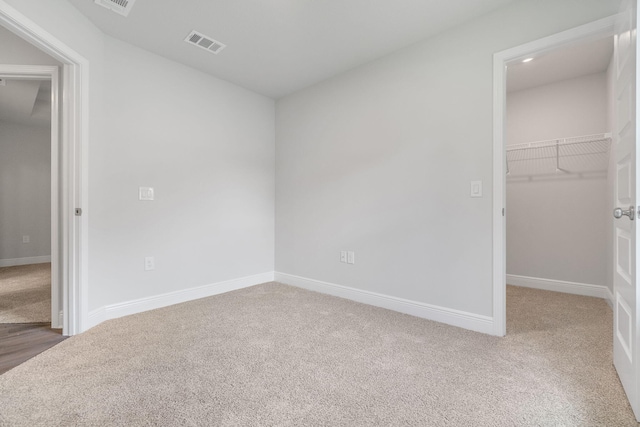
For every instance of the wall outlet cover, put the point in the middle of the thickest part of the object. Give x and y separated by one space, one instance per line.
146 193
149 263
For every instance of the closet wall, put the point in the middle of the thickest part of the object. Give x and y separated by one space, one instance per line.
25 193
556 221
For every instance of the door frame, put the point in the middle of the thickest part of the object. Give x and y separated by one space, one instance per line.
73 173
40 72
591 31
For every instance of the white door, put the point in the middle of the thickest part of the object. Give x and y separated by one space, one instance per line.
625 337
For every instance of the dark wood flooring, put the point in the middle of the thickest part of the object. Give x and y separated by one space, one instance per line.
20 342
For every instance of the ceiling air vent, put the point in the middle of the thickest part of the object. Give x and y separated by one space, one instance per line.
121 7
205 42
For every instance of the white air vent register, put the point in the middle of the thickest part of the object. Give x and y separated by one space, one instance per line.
205 42
122 7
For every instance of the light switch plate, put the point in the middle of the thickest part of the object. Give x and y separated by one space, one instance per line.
145 193
149 263
476 188
351 257
343 256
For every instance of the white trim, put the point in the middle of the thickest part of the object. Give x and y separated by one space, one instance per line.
96 317
462 319
10 262
74 172
594 30
126 308
564 286
609 297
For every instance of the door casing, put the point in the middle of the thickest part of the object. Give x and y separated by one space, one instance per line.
73 144
595 30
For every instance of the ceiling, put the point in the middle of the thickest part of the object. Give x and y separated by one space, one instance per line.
27 102
573 61
277 47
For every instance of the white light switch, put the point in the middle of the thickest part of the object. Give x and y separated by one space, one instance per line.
476 188
149 263
351 257
145 193
343 256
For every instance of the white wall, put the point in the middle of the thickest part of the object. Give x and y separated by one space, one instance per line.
556 223
567 108
14 50
379 161
206 146
25 191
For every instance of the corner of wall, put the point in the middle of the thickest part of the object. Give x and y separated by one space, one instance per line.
461 319
113 311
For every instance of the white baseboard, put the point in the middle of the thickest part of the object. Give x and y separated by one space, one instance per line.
126 308
585 289
24 261
609 298
94 318
462 319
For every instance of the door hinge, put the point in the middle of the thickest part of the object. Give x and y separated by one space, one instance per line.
502 211
78 211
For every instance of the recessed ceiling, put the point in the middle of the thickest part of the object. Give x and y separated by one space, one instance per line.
276 47
573 61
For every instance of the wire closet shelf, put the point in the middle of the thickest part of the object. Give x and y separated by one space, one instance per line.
575 154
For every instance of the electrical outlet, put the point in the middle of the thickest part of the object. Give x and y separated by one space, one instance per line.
351 257
149 263
26 239
145 193
343 256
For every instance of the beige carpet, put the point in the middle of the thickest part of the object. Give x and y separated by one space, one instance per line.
274 355
25 293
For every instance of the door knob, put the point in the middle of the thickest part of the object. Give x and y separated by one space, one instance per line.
618 212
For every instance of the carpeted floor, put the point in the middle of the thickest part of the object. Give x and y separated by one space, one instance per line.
274 355
25 293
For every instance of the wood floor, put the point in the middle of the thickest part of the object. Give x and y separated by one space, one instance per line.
20 342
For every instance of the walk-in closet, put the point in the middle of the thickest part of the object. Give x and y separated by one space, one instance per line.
559 186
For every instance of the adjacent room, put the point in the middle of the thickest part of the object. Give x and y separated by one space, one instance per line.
283 213
30 309
25 200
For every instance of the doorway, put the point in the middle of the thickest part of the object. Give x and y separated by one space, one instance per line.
598 30
559 191
73 174
29 258
622 174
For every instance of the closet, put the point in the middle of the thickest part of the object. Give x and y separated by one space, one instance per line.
559 165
